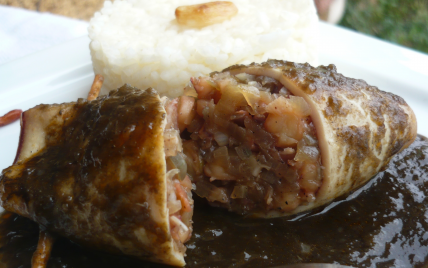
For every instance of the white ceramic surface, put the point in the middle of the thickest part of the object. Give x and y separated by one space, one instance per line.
64 73
23 31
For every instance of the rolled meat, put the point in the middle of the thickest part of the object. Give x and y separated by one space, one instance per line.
263 140
106 173
278 138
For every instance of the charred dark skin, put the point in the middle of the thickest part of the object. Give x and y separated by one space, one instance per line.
74 186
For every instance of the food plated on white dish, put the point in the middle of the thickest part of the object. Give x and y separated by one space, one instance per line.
80 73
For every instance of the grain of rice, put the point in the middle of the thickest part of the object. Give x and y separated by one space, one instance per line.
139 42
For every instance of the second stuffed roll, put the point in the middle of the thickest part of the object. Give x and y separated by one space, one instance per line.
278 138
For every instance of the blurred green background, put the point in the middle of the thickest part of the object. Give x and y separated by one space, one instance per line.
404 22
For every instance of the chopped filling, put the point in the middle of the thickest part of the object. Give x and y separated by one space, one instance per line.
248 143
179 186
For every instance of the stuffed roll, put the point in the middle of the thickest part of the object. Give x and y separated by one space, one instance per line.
278 138
106 174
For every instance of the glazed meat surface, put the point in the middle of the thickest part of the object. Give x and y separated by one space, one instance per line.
95 172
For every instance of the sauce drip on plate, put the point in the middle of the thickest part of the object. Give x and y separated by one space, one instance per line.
383 224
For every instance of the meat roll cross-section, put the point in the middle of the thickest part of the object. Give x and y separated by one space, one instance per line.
97 173
279 138
264 140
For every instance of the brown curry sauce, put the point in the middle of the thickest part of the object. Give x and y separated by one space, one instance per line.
383 224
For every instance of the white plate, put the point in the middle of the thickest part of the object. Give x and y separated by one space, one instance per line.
64 73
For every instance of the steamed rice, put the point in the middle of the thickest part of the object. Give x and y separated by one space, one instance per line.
139 42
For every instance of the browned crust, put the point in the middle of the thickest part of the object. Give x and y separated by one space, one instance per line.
99 176
359 127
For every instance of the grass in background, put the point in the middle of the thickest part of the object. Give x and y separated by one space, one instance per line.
404 22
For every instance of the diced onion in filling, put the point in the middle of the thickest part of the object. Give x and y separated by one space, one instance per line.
171 173
178 162
185 111
172 142
179 231
179 222
239 191
243 152
221 138
183 197
179 198
212 192
174 206
252 146
221 153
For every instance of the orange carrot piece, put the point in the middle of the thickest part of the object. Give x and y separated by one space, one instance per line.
182 196
96 87
10 117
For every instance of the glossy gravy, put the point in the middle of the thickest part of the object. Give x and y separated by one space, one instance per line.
383 224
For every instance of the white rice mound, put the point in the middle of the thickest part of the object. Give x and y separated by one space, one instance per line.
139 42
